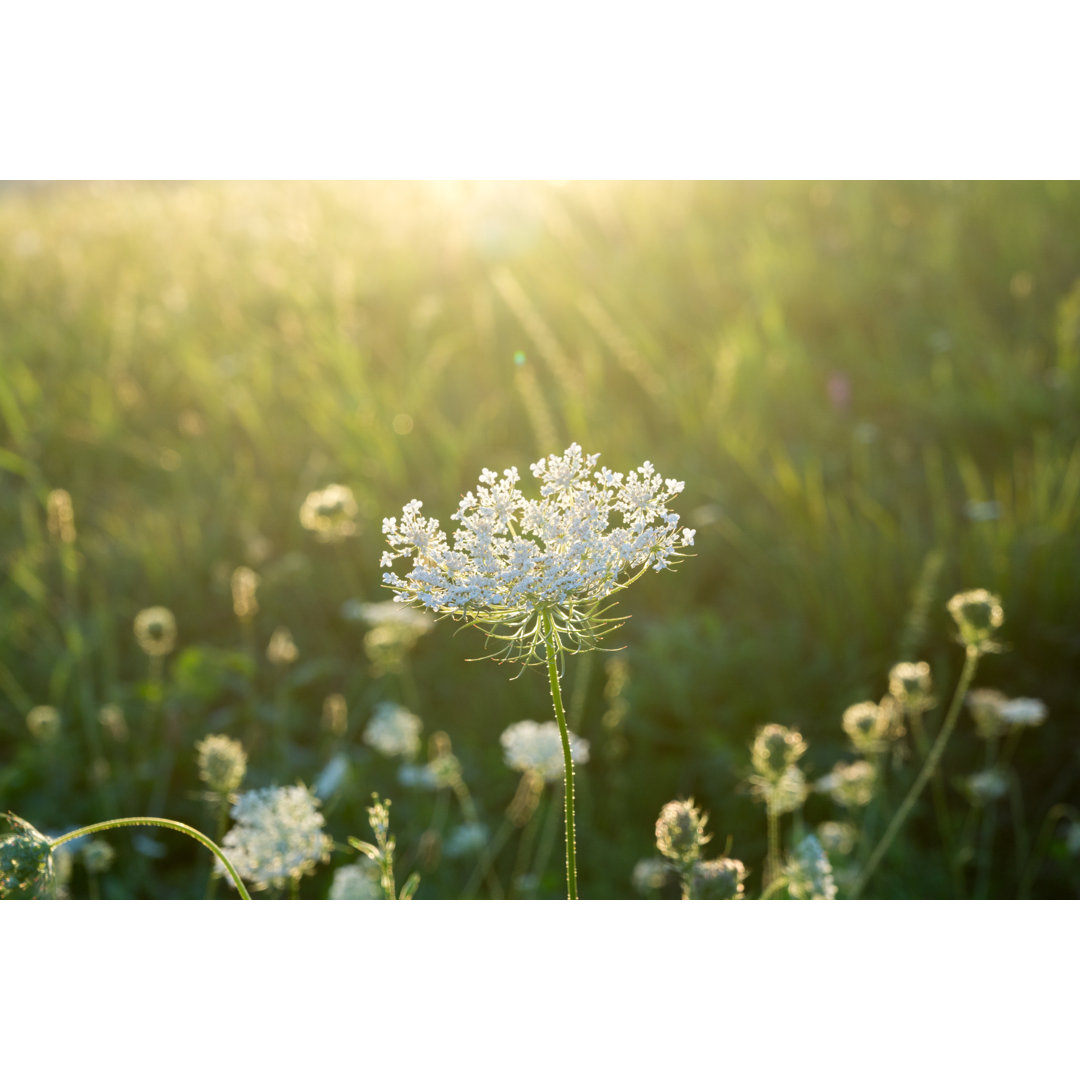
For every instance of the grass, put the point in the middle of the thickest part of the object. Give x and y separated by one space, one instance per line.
839 372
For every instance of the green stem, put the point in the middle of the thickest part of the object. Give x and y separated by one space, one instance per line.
1056 813
772 857
551 648
971 662
164 823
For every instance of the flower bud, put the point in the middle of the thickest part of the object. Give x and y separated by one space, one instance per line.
222 763
718 879
775 748
26 863
680 831
155 631
978 614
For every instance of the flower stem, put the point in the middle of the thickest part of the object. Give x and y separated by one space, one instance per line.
971 662
551 647
164 823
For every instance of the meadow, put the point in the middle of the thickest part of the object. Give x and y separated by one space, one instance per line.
871 392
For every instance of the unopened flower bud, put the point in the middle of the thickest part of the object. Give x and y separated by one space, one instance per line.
222 763
155 631
978 614
680 831
775 748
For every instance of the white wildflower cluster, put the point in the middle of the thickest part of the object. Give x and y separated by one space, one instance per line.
809 873
394 731
537 748
278 836
994 713
523 565
357 881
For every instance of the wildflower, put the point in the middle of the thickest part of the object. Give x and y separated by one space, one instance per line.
330 513
978 614
837 837
26 863
985 705
775 749
244 582
98 855
394 731
782 794
719 879
467 839
277 837
680 832
61 516
394 630
849 785
910 684
1022 712
222 763
155 631
524 569
986 786
867 725
809 872
282 650
43 722
357 881
532 747
649 876
111 718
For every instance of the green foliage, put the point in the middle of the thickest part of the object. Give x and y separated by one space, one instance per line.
848 377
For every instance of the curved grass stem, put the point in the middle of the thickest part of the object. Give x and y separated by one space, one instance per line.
164 823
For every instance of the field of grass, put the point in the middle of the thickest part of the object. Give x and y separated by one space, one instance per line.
871 391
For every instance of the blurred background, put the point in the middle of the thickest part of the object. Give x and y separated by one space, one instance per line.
871 390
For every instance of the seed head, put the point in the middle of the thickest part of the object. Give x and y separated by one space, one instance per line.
775 749
680 832
849 785
26 863
978 614
910 684
155 631
222 763
868 726
111 718
43 722
837 837
718 879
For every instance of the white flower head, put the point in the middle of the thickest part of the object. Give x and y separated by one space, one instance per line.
1022 712
357 881
809 873
849 785
520 567
278 836
394 731
532 747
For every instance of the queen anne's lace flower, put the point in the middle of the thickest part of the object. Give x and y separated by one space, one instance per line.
809 872
394 731
532 747
278 836
515 563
